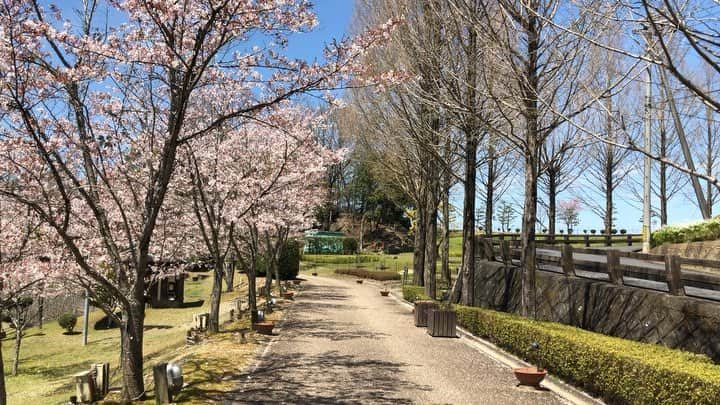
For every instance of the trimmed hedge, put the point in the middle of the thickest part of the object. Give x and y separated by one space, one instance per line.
371 274
696 232
414 293
339 259
619 370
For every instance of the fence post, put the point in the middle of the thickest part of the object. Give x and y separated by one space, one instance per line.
608 240
674 275
587 240
566 259
506 252
629 240
488 247
613 267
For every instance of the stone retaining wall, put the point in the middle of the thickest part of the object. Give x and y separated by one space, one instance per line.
632 313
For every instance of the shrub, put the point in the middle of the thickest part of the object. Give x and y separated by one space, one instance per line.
696 232
619 370
623 231
339 259
350 246
517 230
414 293
613 231
584 230
67 321
593 231
288 261
371 274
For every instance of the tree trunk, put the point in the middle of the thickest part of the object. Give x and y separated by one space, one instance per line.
490 191
214 321
609 188
468 242
131 354
710 160
3 390
446 277
41 310
530 111
552 200
431 252
419 248
663 170
16 359
528 234
252 297
230 276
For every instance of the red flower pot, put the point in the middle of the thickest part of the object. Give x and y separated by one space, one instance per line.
264 327
530 376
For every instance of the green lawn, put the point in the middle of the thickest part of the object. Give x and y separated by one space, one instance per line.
48 359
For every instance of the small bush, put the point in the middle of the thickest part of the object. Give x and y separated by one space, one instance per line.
613 231
371 274
623 231
620 371
696 232
584 230
593 231
414 293
67 321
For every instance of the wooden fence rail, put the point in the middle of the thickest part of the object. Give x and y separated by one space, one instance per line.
590 263
586 240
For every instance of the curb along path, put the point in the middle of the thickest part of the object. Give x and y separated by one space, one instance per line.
343 342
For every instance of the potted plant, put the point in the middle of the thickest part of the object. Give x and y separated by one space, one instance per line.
422 307
314 273
530 376
384 292
359 281
442 321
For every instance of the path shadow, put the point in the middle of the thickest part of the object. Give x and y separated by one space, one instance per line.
324 378
326 329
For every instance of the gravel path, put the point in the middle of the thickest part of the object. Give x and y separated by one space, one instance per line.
344 343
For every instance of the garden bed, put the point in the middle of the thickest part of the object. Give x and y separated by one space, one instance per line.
378 275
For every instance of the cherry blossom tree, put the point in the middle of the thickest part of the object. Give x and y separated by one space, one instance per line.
93 114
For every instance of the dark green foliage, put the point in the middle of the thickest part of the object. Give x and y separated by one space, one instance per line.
620 371
623 231
67 321
371 274
288 261
350 246
697 232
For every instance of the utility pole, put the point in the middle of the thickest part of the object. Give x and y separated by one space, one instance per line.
647 174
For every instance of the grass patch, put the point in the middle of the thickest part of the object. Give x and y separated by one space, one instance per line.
414 293
371 274
618 370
